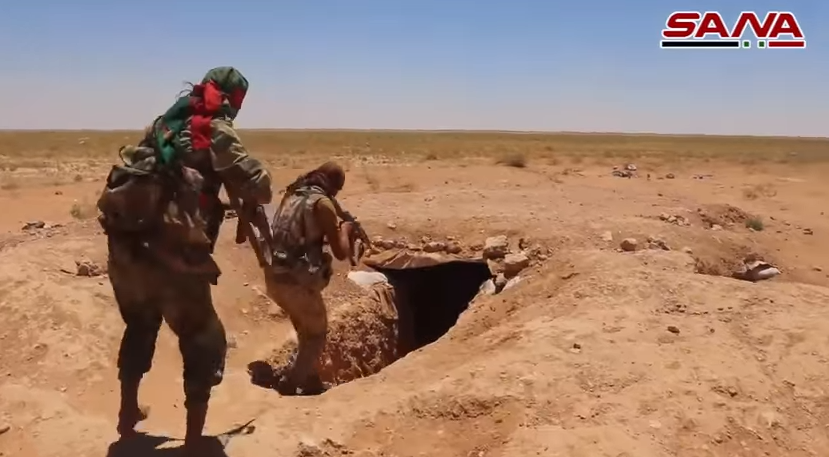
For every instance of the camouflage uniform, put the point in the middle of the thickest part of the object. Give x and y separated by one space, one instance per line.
162 214
301 270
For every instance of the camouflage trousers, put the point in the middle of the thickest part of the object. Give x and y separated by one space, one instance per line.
148 293
306 310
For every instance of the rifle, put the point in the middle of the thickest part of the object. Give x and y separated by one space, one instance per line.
362 236
251 216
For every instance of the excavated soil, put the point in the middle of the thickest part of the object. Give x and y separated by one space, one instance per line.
594 352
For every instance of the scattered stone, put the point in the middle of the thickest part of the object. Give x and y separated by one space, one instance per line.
808 231
657 243
673 329
496 247
231 342
816 268
670 176
514 263
434 246
454 248
34 225
500 281
476 247
716 227
687 250
623 174
576 348
732 391
4 428
391 226
607 236
677 220
88 268
629 244
413 247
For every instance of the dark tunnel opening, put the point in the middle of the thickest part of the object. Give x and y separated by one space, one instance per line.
430 299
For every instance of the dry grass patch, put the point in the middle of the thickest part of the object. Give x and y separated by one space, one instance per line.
756 191
513 159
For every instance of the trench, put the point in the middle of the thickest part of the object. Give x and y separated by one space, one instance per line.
424 303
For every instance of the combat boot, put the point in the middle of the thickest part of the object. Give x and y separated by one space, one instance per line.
130 413
193 439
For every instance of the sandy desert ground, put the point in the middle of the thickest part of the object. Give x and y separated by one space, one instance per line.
596 352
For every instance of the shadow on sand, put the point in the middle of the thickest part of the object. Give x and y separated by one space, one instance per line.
146 445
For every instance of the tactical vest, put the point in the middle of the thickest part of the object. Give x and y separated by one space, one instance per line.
298 239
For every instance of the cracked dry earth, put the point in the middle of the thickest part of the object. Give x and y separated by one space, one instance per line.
597 352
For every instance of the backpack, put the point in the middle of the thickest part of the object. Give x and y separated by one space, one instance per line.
145 198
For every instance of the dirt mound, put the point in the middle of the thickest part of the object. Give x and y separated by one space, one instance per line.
723 216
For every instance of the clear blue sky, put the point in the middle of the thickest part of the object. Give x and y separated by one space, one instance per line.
590 65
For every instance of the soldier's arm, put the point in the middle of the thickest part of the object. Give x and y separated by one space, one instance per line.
244 177
338 236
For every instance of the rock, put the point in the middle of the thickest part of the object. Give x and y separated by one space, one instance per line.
384 244
716 227
816 268
500 281
413 247
664 216
4 428
629 244
88 268
391 226
523 244
687 250
808 231
34 225
514 263
670 176
487 287
496 247
367 279
434 246
657 243
607 236
476 247
454 248
673 329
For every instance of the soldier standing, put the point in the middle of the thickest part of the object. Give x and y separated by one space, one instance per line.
161 213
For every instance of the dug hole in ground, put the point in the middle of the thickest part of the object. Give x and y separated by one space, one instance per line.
410 300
